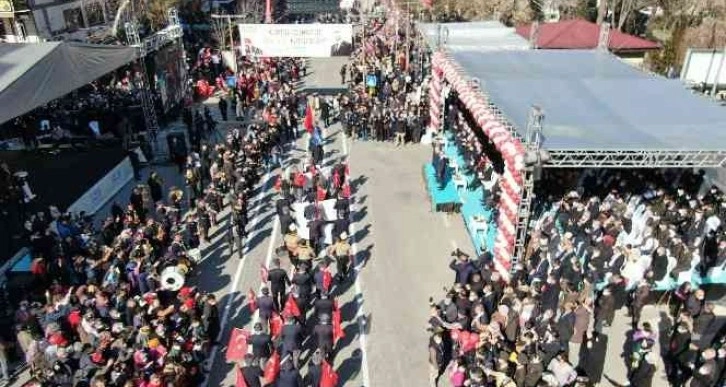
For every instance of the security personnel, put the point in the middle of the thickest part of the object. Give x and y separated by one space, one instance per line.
278 284
292 244
305 253
341 251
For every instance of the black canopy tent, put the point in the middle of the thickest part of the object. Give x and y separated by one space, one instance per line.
33 74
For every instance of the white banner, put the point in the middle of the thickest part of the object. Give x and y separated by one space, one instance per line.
296 40
105 189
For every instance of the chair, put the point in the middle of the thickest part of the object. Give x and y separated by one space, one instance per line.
488 185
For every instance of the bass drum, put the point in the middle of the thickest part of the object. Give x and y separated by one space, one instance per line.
172 278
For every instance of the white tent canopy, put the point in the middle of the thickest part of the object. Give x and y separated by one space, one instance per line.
33 74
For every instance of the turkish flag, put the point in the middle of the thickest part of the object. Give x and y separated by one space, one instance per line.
263 274
275 325
338 332
237 346
328 376
327 280
308 122
241 382
252 300
291 308
272 368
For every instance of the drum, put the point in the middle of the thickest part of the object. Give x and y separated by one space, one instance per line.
172 278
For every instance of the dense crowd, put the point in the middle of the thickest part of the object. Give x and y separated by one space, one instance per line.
607 245
386 97
96 111
113 306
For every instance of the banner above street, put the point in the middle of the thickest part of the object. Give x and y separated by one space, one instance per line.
296 40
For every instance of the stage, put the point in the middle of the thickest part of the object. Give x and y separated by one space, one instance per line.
55 180
443 197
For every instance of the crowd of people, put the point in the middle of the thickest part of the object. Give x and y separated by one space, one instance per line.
112 306
616 242
386 97
300 305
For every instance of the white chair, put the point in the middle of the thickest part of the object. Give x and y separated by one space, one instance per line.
488 185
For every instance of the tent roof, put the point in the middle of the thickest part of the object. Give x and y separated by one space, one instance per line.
594 101
33 74
482 36
578 33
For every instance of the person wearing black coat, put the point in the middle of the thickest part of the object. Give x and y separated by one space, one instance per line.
289 376
261 344
156 190
251 372
324 336
292 337
643 375
463 268
278 284
592 356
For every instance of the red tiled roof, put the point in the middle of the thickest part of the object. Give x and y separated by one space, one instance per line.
582 34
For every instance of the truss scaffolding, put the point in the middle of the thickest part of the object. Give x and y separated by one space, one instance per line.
635 159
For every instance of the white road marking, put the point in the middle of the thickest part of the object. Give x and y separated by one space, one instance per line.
454 245
360 316
237 276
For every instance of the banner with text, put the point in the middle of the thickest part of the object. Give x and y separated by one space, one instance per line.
296 40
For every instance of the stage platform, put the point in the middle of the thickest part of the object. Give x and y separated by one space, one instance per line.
481 227
443 199
57 180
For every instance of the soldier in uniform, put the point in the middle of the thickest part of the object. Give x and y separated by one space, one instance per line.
341 251
305 253
292 242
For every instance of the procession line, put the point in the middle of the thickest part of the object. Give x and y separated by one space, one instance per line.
235 281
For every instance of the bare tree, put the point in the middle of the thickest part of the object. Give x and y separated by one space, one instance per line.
251 10
602 11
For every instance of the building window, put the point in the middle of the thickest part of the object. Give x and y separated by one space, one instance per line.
94 13
73 18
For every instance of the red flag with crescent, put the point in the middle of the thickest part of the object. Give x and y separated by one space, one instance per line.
291 308
251 300
272 368
237 346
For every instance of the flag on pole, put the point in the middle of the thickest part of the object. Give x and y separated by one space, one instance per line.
308 122
272 368
251 300
237 346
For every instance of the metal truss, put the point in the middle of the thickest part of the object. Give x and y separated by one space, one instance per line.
635 159
160 39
